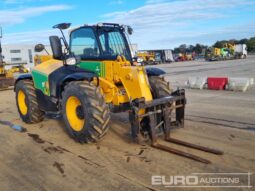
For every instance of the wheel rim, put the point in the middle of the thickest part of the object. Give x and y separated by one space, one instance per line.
22 102
74 113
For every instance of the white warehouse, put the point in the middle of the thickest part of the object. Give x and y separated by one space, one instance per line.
16 54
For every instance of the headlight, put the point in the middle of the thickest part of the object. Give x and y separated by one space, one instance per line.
71 61
139 60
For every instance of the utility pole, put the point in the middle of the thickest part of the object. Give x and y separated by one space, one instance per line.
1 56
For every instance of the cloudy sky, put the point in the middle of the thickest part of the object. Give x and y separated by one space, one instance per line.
156 23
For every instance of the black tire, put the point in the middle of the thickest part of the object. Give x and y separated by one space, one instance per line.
94 111
159 88
33 114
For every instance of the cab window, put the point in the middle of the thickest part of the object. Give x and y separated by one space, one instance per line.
84 43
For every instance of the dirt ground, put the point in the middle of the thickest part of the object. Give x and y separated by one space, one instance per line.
45 158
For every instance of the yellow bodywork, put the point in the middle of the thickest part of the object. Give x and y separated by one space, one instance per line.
2 70
123 82
5 73
8 73
42 58
216 51
120 84
48 66
231 47
146 56
18 69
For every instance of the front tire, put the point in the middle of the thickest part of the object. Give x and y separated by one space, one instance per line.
159 88
26 102
85 113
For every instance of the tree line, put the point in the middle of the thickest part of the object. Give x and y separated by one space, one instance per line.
200 48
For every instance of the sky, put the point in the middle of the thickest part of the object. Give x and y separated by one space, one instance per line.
156 23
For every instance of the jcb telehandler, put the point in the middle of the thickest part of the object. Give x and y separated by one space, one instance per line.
93 75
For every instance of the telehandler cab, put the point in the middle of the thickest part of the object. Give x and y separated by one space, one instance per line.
93 75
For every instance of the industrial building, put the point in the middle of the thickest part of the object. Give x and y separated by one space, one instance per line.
16 54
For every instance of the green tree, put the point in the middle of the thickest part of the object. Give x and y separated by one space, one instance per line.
220 44
251 44
198 48
243 41
183 48
191 48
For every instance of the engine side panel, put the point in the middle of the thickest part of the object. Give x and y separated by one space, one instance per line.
41 73
94 66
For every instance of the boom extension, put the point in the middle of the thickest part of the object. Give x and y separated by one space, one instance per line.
165 106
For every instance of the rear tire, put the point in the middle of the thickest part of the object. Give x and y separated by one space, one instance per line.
85 113
26 102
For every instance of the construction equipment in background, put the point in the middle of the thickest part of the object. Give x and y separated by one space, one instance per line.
18 69
184 57
228 52
189 57
146 58
162 55
6 77
149 57
215 54
240 51
95 75
180 57
212 54
229 48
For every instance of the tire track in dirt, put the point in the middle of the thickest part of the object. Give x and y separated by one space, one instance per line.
222 122
60 166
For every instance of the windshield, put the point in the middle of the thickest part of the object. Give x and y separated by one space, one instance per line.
112 43
84 43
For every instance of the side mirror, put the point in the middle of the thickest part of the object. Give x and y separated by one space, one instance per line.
130 30
39 48
62 26
56 47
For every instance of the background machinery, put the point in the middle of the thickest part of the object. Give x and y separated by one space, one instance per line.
227 52
184 57
95 75
162 55
240 51
146 58
6 77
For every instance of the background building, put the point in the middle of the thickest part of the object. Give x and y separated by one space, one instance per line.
20 54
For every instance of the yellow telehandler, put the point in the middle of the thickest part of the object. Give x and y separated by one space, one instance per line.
94 75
